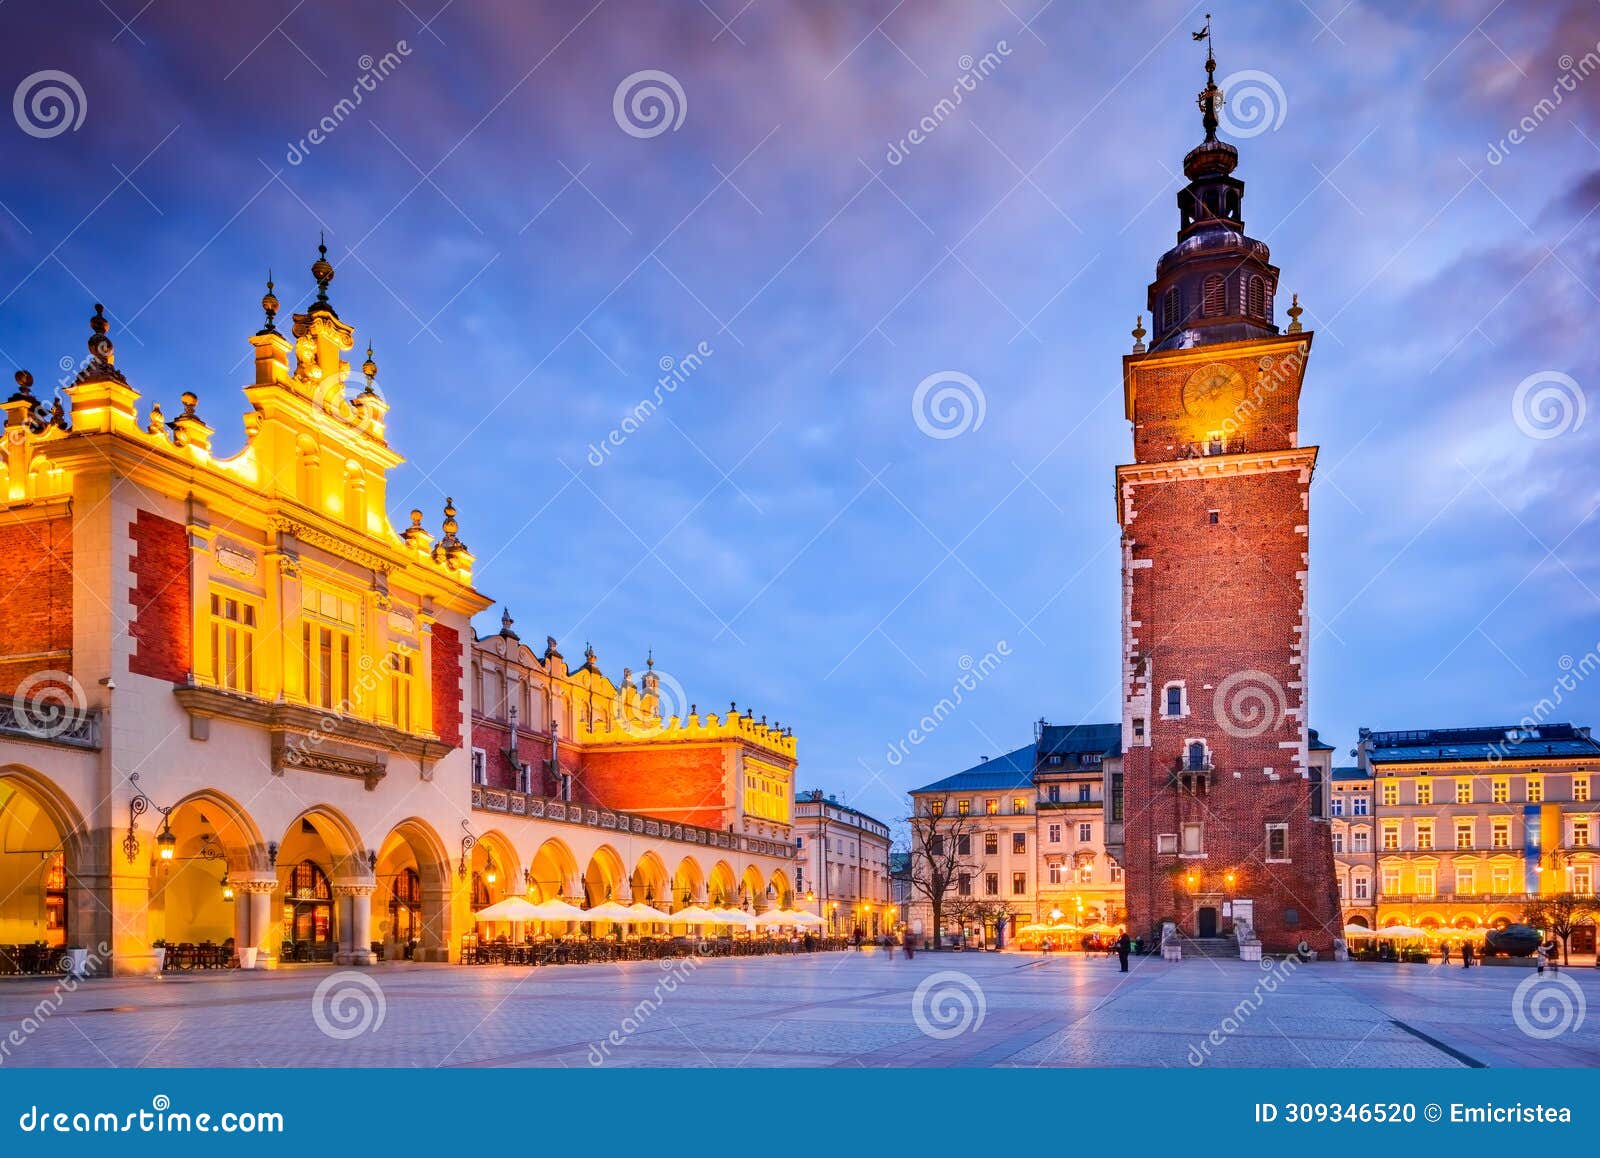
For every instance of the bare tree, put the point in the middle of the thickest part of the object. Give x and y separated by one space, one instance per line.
983 913
1558 914
941 853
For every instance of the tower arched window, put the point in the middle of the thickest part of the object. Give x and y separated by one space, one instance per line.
1170 309
1256 296
1213 296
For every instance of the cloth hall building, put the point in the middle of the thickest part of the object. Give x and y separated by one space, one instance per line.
240 705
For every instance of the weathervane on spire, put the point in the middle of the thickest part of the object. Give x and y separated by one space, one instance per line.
1211 98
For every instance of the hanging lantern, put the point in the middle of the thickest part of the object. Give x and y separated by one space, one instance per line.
166 843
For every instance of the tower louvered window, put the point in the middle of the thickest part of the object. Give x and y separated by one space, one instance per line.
1213 296
1256 296
1169 309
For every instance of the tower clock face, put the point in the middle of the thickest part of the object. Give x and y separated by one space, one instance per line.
1213 393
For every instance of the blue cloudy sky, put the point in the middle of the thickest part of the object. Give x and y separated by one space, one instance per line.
781 530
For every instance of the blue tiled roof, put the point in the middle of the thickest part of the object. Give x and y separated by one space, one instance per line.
1080 739
1351 773
1317 743
1013 770
1507 742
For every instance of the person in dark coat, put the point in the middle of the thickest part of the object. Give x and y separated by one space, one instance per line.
1466 954
1124 947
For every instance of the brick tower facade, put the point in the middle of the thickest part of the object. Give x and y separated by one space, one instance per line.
1221 823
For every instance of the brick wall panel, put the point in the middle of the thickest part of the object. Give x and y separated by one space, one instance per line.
162 608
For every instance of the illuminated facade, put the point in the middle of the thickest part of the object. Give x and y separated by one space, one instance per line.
1471 824
241 705
1028 832
842 871
1350 823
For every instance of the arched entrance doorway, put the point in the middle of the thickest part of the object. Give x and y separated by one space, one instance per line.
324 890
42 907
553 873
195 908
411 898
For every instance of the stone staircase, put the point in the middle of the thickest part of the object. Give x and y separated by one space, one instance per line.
1209 947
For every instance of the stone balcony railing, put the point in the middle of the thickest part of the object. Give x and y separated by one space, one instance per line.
509 803
49 723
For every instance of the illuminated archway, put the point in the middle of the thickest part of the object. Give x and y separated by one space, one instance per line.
40 860
496 871
603 878
688 883
721 887
410 904
553 873
782 892
193 894
321 845
753 889
649 882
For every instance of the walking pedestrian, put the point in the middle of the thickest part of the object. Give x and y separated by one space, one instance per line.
910 945
1541 955
1466 954
1444 953
1124 947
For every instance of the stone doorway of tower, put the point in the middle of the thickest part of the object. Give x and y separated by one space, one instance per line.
1208 915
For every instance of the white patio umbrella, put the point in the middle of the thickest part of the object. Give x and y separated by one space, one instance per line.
558 910
775 919
510 909
733 917
808 920
648 914
1351 931
612 911
693 915
1400 932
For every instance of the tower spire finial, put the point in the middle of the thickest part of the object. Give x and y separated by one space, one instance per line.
322 270
1211 96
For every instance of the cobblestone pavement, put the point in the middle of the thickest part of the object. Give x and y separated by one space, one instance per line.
842 1009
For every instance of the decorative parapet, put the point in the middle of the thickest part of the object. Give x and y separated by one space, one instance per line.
695 729
523 804
49 723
